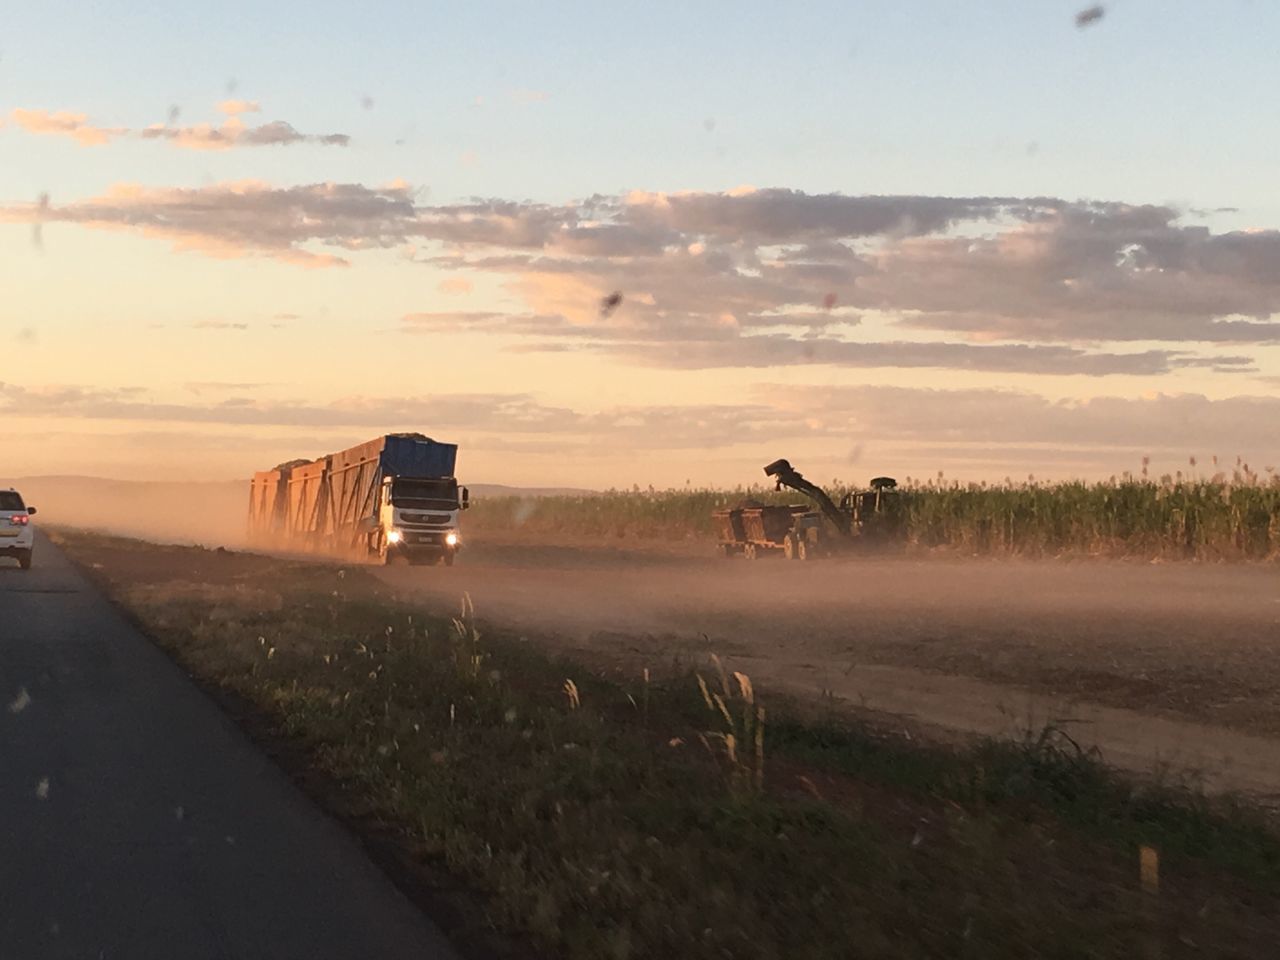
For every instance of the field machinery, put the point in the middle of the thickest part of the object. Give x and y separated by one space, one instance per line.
394 497
799 532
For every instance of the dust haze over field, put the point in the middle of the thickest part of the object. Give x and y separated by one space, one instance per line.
208 513
1169 662
1161 660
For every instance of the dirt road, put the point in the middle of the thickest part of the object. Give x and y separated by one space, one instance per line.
1156 664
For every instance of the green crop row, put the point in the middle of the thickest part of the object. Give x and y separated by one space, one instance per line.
1217 518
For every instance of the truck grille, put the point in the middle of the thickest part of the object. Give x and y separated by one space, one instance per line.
429 519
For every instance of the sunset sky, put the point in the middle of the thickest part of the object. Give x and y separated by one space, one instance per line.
871 237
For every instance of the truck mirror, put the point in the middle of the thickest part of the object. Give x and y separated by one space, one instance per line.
31 511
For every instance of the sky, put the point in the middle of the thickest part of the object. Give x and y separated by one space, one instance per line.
609 244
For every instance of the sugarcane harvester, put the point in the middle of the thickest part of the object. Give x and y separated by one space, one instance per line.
799 532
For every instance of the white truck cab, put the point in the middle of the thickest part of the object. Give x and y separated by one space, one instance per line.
418 519
17 535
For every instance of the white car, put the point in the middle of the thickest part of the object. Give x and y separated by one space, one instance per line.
17 535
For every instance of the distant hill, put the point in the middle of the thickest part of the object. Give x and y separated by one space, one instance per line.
206 512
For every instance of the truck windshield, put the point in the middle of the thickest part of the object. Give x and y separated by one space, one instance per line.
425 494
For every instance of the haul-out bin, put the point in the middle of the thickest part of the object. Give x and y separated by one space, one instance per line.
729 526
769 525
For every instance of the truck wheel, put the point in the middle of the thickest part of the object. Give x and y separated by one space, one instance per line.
24 559
749 551
447 559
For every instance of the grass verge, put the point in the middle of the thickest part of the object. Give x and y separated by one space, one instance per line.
599 819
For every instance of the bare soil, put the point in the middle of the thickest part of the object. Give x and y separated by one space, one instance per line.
1158 665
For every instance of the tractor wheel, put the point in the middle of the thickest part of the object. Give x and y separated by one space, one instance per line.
804 550
790 547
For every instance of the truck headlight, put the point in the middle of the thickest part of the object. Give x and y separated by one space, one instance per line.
394 536
451 538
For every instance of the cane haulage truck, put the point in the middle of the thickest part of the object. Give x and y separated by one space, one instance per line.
395 497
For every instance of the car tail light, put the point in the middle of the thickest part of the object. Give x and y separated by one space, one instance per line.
19 520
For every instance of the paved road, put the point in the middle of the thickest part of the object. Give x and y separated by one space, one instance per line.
137 822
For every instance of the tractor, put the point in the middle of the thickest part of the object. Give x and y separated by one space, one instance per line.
798 532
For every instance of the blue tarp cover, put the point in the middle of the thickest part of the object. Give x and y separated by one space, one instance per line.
411 457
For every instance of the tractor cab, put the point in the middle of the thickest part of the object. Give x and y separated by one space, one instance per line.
875 513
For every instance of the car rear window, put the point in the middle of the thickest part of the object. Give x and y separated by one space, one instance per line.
10 501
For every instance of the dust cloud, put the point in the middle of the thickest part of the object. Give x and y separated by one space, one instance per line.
1184 651
1156 665
1186 638
209 514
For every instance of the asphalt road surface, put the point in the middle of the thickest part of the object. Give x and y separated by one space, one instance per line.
137 822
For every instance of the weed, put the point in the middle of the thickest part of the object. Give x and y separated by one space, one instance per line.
741 728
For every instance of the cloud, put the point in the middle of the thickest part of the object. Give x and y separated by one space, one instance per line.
478 321
980 429
27 335
1160 422
66 124
781 350
455 286
219 325
984 268
791 216
734 348
754 277
245 218
726 229
504 414
1081 274
233 132
233 108
216 386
